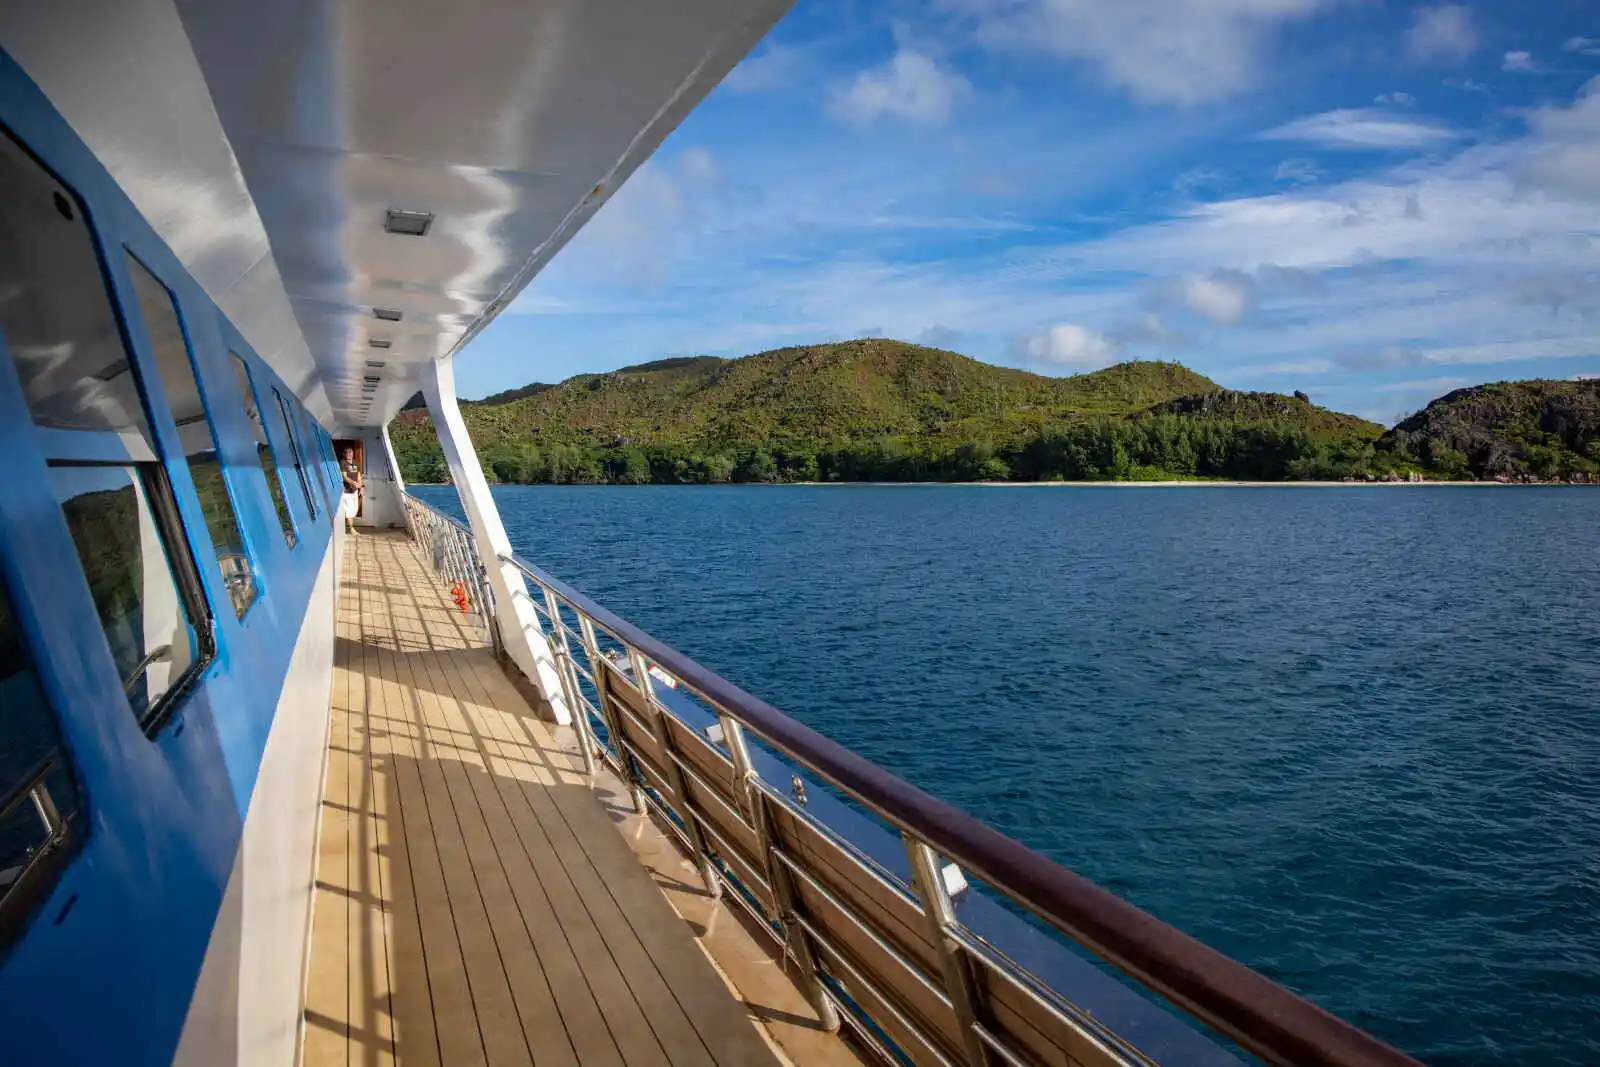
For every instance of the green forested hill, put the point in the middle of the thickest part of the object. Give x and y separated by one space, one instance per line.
818 395
887 410
1508 431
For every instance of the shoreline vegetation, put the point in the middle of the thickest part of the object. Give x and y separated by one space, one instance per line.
883 411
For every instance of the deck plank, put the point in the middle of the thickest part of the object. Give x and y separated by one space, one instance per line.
410 1002
688 1003
476 904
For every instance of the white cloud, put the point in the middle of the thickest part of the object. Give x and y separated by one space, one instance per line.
1384 357
1466 256
1559 291
1297 171
1182 52
1363 129
1519 63
1070 345
1512 351
1442 34
910 86
1587 46
1225 297
1437 386
1148 329
774 68
1566 160
1395 99
1198 180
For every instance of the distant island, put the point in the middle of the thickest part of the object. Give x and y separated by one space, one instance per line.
884 410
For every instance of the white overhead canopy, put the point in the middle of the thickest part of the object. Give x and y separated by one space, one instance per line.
266 142
508 122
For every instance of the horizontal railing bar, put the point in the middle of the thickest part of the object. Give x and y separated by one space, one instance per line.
666 811
1018 978
709 827
1266 1018
688 768
863 862
644 765
873 1041
999 1046
633 716
25 786
861 924
840 958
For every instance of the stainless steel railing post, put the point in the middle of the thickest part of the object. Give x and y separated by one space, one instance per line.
609 712
795 936
674 773
569 681
927 882
641 801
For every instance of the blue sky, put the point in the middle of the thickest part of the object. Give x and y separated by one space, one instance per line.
1374 202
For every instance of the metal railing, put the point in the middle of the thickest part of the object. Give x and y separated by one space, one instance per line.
888 955
450 548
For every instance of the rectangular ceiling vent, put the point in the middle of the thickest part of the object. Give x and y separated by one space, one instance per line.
407 223
380 342
386 314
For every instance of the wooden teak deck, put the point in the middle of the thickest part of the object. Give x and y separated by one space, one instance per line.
475 902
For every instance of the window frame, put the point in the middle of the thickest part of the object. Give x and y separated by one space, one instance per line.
207 408
144 453
168 518
20 901
291 533
289 428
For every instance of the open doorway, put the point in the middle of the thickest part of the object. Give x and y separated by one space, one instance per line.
355 446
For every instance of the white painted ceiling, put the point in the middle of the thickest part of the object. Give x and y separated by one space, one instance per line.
509 122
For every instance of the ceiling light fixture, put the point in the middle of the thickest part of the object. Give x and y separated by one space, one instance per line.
376 363
407 223
386 314
380 342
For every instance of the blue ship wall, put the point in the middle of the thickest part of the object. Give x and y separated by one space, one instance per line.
106 967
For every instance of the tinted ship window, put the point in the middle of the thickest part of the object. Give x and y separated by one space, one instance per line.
264 454
195 433
153 621
39 804
286 428
58 321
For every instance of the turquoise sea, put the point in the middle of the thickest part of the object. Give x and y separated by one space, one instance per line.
1350 736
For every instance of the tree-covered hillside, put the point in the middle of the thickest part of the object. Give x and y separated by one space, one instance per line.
817 395
881 410
1507 431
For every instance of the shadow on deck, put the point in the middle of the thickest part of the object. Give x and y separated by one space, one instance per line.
475 900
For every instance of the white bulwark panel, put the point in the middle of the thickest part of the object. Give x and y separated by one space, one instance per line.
246 1005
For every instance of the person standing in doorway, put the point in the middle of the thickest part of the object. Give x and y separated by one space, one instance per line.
353 484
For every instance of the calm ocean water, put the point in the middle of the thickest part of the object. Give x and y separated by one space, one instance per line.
1348 736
